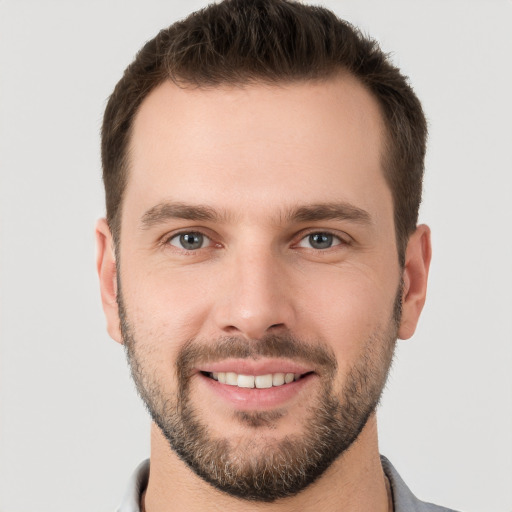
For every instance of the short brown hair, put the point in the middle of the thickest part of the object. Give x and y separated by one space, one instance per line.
270 41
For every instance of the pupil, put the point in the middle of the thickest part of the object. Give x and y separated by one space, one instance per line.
320 240
191 240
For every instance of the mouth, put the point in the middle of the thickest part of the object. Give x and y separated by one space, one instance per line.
265 381
262 384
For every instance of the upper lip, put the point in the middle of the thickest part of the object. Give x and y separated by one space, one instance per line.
255 367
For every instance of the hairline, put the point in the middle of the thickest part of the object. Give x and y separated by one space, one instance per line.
387 149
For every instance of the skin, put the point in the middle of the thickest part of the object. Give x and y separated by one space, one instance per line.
254 155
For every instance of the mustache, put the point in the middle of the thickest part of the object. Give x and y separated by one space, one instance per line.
286 346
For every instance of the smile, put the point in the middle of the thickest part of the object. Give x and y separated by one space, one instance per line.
254 381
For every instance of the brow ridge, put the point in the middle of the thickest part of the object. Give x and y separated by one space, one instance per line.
330 211
174 210
168 210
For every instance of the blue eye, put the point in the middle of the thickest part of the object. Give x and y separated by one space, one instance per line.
190 241
320 241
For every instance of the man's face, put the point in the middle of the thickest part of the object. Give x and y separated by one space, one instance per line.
258 246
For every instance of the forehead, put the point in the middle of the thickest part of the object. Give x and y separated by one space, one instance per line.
234 146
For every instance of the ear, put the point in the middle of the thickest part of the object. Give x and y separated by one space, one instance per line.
107 272
415 276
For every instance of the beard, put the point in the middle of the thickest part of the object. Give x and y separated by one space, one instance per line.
259 468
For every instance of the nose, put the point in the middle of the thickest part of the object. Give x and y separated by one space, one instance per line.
256 296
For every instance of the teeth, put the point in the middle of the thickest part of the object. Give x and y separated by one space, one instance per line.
245 381
231 378
278 379
263 381
289 378
258 381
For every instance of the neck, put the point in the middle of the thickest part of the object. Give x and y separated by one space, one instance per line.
355 482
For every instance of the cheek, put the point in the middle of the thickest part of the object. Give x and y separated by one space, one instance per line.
354 307
164 310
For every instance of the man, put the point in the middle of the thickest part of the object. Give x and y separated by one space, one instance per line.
263 164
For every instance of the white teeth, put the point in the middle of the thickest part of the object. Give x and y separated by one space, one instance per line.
246 381
231 378
263 381
278 379
289 378
258 381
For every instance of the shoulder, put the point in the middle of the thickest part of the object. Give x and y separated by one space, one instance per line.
136 485
404 500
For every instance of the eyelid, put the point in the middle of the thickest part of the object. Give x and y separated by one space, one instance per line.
342 237
177 236
166 239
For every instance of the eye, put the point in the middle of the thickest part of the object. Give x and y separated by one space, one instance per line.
320 240
189 241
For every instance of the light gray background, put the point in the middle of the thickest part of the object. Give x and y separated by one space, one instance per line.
72 428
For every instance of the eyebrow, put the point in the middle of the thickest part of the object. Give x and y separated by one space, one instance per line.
163 212
170 210
330 211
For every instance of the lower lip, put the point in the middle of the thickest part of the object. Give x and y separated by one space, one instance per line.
258 399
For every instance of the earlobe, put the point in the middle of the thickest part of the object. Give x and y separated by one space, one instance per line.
415 277
107 273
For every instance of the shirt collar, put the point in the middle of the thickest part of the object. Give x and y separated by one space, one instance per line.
136 486
403 499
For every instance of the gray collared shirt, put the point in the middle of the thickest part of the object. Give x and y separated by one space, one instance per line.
403 499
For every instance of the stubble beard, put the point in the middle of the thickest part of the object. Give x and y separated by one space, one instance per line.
261 468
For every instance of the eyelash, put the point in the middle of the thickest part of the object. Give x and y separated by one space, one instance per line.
167 241
342 240
335 237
